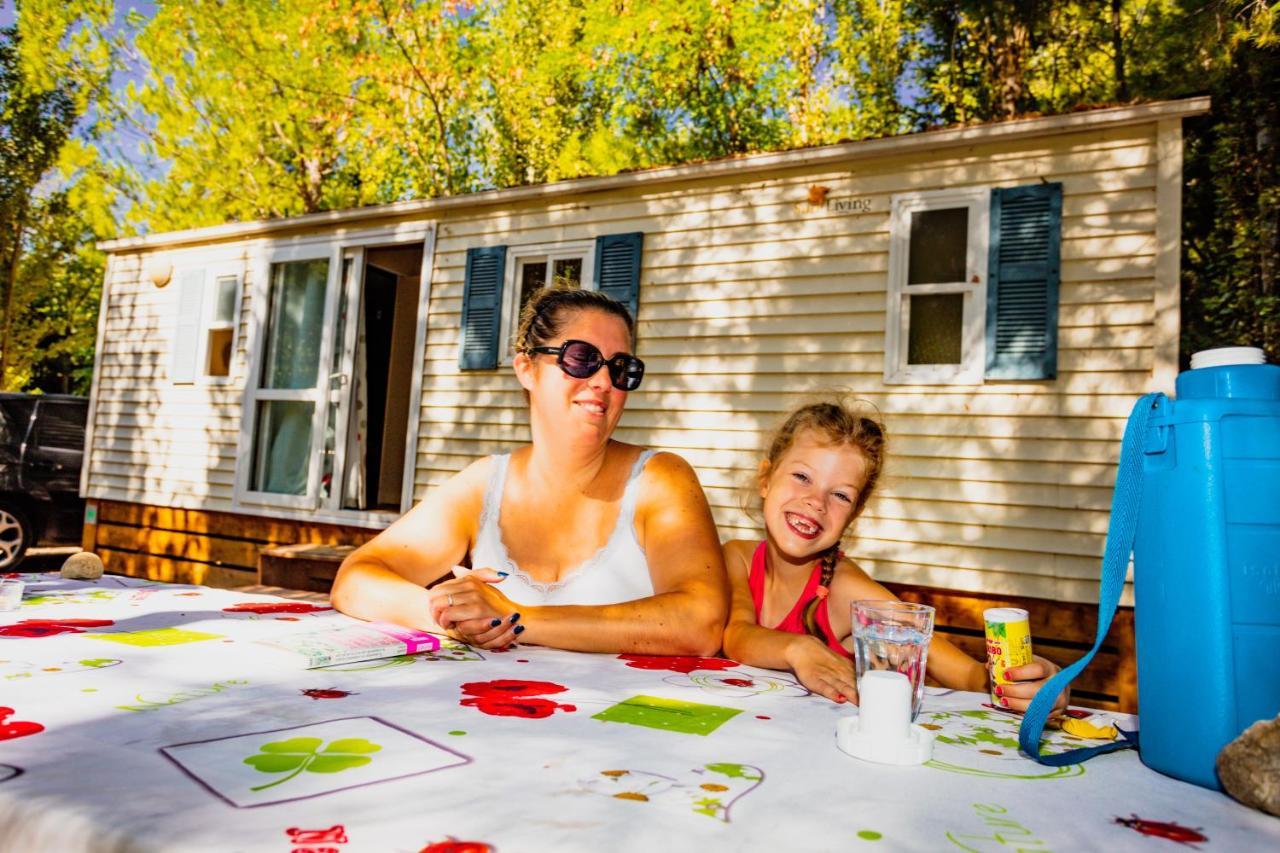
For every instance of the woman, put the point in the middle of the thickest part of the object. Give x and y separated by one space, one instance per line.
577 541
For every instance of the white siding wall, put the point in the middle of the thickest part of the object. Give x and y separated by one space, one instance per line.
155 441
752 302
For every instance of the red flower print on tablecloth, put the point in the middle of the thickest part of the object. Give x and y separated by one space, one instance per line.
509 697
263 607
676 664
10 729
31 629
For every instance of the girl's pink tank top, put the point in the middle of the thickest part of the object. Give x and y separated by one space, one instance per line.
793 622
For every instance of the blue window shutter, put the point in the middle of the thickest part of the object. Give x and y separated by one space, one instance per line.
482 308
187 332
618 268
1023 273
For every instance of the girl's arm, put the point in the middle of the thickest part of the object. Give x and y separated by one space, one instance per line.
684 616
385 579
819 668
947 664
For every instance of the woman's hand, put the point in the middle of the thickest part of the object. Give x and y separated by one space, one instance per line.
474 611
822 670
1029 679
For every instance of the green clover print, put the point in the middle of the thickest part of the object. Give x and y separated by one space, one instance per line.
304 753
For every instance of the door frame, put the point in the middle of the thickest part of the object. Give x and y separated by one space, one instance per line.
335 246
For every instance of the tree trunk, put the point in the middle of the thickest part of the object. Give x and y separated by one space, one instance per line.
1262 67
1008 39
1117 49
11 282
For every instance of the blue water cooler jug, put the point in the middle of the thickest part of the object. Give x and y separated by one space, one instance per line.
1207 563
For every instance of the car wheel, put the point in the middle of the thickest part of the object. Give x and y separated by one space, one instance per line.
15 535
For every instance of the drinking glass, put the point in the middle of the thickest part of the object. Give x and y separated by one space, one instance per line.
893 635
10 594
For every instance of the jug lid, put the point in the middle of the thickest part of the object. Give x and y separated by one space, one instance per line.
1227 357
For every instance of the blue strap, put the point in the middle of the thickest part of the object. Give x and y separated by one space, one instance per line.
1115 563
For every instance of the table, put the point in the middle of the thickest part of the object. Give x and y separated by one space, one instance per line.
144 716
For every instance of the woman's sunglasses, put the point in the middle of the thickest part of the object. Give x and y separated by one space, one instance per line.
581 360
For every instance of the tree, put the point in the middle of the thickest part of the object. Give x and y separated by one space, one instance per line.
34 125
1231 228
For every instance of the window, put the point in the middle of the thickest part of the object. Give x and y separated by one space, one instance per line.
283 395
529 268
220 333
936 313
500 280
60 425
286 395
208 314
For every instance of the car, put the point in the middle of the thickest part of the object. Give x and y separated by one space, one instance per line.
41 451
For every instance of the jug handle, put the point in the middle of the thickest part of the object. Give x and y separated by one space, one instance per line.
1123 527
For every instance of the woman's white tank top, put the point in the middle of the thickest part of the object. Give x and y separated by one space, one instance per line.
617 572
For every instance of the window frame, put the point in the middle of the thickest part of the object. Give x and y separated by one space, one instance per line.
973 361
207 324
510 321
253 394
210 273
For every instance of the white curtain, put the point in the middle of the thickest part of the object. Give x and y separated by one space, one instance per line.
354 495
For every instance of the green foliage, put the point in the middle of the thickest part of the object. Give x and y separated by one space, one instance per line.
244 109
44 257
55 302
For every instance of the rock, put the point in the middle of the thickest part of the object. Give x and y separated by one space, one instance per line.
82 565
1249 766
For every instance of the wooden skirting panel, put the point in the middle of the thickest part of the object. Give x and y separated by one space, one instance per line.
1060 631
193 546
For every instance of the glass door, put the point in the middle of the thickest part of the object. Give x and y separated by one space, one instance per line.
330 421
282 399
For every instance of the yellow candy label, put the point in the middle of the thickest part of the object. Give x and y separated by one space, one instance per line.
1008 645
1084 728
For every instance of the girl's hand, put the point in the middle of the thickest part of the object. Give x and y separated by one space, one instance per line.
1030 678
473 610
822 670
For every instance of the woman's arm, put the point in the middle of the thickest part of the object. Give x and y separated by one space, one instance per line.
818 667
385 578
684 616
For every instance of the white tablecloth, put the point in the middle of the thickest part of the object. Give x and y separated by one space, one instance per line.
142 716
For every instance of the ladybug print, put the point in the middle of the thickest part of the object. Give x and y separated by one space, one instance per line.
327 693
1160 829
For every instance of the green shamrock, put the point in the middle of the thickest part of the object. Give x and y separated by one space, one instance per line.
304 753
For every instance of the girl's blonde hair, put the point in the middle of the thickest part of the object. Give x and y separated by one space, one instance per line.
841 426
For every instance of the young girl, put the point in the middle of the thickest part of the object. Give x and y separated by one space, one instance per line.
792 592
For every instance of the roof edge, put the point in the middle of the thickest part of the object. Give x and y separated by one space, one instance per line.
843 151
